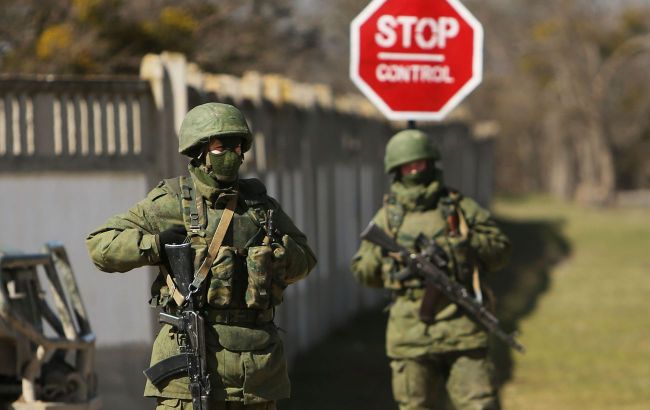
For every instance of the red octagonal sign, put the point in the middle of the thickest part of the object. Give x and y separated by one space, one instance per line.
416 59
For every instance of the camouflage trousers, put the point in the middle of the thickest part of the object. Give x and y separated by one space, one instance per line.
166 404
466 376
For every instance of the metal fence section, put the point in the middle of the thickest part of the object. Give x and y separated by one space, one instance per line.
319 154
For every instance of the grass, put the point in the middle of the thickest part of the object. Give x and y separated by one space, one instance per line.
588 337
577 289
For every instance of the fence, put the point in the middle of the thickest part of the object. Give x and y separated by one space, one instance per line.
105 141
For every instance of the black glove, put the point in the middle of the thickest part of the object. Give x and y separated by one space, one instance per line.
175 234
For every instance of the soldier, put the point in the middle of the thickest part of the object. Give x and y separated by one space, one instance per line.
245 359
451 348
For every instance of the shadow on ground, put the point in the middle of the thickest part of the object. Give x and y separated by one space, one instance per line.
347 371
350 371
538 246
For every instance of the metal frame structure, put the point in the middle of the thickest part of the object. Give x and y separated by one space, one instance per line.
24 313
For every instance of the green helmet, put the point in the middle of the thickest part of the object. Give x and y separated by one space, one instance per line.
409 145
212 120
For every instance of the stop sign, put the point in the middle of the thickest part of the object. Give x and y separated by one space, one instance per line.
416 59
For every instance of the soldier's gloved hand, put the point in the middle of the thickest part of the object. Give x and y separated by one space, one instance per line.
290 257
460 257
174 235
455 247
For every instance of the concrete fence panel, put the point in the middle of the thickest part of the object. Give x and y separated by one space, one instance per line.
74 151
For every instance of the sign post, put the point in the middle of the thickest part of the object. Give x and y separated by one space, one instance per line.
416 59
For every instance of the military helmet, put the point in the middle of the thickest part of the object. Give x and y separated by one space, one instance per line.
212 120
407 146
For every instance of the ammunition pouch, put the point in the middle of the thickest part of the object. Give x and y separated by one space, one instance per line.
278 279
259 263
223 272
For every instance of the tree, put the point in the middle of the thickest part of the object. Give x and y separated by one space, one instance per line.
554 83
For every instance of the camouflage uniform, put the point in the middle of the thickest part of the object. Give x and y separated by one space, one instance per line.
245 354
452 349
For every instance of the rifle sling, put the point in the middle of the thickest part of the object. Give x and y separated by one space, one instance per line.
173 289
166 368
464 232
215 244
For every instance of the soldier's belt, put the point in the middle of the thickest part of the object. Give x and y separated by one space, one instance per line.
239 316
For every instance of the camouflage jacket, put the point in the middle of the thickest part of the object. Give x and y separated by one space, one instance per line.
246 363
407 213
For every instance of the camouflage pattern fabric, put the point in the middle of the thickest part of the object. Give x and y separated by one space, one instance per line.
408 212
247 363
166 404
407 336
415 381
409 145
222 270
212 120
259 263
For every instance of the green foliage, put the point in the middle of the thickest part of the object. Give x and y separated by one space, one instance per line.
95 12
104 36
53 41
173 30
57 47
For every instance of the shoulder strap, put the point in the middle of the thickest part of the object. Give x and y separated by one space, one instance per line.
455 197
394 214
173 290
463 228
215 244
193 208
194 218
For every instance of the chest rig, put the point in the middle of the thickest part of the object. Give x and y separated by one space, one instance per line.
438 222
228 286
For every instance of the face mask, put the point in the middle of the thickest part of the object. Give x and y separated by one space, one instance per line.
419 178
224 166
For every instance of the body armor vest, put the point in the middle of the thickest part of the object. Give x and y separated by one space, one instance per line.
405 226
241 276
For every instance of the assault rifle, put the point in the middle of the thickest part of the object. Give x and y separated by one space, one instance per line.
192 359
421 265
